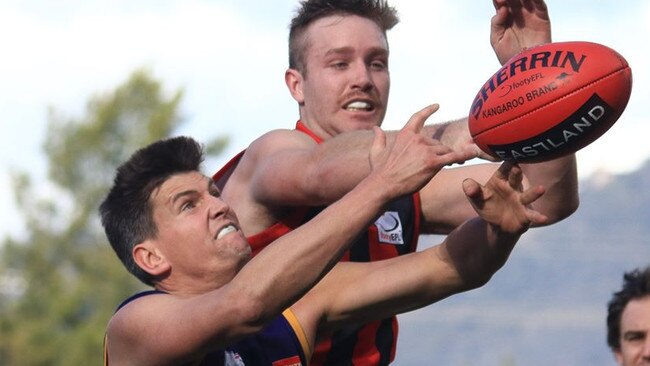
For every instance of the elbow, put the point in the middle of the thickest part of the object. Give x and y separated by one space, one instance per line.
470 279
567 208
478 280
559 178
252 313
479 274
562 197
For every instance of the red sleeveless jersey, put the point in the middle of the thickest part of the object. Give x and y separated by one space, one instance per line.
395 233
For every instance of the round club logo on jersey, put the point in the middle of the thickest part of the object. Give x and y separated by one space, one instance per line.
389 228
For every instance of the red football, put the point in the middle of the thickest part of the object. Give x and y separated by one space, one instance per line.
550 100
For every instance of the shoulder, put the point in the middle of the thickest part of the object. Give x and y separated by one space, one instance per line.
272 149
279 140
134 310
131 324
262 150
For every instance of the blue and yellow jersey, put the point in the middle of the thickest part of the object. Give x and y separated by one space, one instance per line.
281 343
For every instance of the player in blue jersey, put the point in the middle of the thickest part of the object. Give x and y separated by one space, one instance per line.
339 76
214 305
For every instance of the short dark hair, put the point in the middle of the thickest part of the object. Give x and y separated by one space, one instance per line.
126 212
311 10
636 285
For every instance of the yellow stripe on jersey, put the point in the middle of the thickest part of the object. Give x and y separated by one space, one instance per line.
300 333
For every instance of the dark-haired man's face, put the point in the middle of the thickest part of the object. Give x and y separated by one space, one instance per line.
198 233
635 334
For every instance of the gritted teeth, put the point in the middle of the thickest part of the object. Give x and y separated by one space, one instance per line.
359 106
225 231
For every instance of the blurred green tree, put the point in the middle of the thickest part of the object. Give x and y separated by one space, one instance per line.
61 283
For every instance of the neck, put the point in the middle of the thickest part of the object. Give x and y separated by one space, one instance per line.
315 130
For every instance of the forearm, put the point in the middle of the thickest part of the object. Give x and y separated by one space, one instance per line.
287 168
449 133
476 250
467 259
559 177
341 162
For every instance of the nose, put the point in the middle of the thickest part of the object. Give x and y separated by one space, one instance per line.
217 206
646 349
362 77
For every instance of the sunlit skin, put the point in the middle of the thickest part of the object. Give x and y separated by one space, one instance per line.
346 62
189 215
635 334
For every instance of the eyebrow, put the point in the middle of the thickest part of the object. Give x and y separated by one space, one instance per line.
188 192
634 333
375 51
339 51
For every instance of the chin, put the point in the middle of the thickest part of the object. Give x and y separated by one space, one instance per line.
242 250
244 259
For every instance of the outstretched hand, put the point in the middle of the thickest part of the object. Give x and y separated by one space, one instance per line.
517 25
413 159
503 203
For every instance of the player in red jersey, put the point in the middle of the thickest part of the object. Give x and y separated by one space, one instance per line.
338 75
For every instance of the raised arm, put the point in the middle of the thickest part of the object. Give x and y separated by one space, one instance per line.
287 168
291 169
444 206
313 174
517 25
469 256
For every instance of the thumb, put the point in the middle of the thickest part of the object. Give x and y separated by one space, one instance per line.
473 192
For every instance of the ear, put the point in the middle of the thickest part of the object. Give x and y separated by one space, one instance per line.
294 80
148 257
618 356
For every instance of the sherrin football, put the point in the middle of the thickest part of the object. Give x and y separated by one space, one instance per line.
549 101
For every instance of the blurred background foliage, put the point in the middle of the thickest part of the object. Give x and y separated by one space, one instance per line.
61 282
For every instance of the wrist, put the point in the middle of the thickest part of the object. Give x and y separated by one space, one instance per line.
500 234
377 189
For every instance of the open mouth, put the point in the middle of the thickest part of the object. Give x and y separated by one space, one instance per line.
226 230
359 105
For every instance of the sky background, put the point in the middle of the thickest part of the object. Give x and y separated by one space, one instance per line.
229 57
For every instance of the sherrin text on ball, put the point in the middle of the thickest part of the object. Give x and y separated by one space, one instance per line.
550 100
